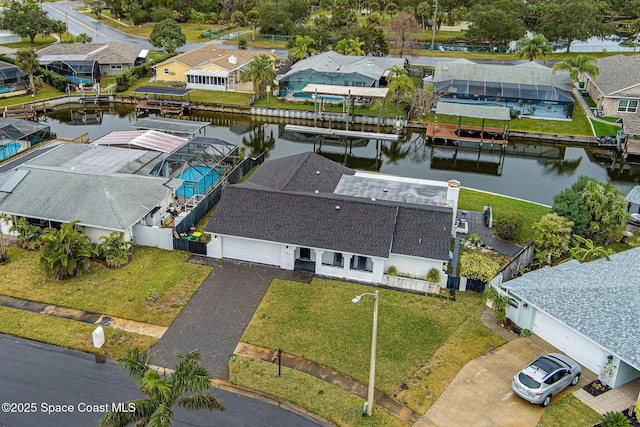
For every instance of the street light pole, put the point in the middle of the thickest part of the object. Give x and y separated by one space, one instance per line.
374 336
435 17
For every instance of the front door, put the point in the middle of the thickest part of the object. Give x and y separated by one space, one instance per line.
305 253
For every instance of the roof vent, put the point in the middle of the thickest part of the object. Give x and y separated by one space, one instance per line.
370 66
419 240
385 189
316 191
373 199
445 68
337 207
317 172
233 59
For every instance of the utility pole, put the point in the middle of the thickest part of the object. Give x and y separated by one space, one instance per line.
435 17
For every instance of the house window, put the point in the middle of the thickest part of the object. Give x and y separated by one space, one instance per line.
338 260
627 106
361 263
305 253
116 66
166 71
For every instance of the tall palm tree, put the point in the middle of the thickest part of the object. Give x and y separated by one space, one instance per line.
396 71
27 62
352 47
576 65
530 47
400 85
186 387
302 47
260 70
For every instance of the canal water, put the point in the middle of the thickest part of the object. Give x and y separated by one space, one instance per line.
526 170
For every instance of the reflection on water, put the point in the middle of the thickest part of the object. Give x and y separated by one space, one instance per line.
527 170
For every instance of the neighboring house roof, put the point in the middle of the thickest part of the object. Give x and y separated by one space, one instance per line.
530 73
333 222
631 125
20 128
229 59
333 63
110 201
298 173
598 299
617 74
145 139
103 53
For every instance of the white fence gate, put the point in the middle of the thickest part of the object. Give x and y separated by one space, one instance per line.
153 236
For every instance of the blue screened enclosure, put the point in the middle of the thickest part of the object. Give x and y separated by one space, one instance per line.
320 97
9 149
197 180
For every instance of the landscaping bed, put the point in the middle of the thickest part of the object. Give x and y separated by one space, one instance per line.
596 388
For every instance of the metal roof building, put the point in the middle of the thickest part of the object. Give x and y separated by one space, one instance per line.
143 139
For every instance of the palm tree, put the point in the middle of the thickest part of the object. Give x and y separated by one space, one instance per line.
27 62
253 18
261 72
29 235
635 27
352 47
530 47
83 38
400 85
577 65
423 11
186 387
302 47
65 252
396 71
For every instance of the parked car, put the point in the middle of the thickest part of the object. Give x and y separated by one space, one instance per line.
545 377
634 219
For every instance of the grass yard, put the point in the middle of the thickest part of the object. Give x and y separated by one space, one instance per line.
318 322
153 288
604 129
569 412
68 333
328 401
38 42
531 212
46 92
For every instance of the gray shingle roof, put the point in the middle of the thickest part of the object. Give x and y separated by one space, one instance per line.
598 299
359 226
299 173
104 53
529 73
110 201
334 63
617 73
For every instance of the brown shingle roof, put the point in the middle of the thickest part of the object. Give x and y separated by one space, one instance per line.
617 73
104 53
215 55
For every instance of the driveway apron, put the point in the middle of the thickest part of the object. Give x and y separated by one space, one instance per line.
217 315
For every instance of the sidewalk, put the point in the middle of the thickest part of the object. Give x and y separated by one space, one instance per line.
84 316
617 399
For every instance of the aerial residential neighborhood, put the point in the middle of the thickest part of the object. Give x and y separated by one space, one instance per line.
293 213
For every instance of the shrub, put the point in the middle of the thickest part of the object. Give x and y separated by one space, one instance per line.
29 235
475 266
242 43
140 17
474 238
131 76
160 14
392 271
433 275
115 250
55 80
507 225
615 419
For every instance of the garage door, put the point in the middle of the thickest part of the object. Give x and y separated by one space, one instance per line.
251 250
568 341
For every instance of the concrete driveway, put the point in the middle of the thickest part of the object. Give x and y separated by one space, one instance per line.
480 395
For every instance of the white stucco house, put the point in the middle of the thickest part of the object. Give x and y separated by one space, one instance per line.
589 311
309 213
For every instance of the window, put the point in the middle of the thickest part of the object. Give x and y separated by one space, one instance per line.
627 106
305 253
338 261
116 66
166 71
361 263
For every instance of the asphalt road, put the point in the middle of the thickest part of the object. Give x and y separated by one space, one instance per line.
48 380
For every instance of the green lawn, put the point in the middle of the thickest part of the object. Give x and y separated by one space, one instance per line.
68 333
39 42
46 92
604 129
153 288
531 212
569 412
318 322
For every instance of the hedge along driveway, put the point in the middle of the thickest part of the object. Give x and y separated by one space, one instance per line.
153 288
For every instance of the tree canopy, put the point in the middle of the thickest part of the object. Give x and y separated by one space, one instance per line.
552 235
27 62
495 26
260 70
576 65
167 35
27 20
532 47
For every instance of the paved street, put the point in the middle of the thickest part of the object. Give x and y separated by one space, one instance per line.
46 375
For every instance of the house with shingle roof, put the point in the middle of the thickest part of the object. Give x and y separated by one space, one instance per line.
616 91
530 88
590 311
332 68
309 213
210 68
113 58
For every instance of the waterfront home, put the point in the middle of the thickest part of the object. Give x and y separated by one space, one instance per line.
306 212
529 89
616 91
210 68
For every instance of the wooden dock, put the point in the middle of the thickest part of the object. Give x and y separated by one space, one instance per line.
448 132
632 148
161 107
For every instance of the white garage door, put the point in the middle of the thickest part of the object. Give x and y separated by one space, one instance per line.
585 352
251 250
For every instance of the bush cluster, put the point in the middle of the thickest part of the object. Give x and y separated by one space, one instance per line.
507 225
131 76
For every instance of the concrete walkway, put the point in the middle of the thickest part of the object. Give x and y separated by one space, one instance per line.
477 226
588 111
332 377
84 316
617 399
